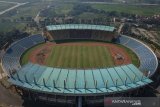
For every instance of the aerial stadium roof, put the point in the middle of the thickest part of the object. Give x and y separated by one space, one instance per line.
80 26
79 82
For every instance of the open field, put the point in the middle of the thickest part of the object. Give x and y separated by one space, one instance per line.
79 55
87 15
9 26
131 9
66 8
4 6
31 10
28 10
133 56
63 8
25 56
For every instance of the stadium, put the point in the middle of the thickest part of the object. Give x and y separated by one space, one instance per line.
79 65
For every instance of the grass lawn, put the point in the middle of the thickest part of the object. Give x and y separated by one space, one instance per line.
76 56
30 9
4 6
63 8
80 56
9 26
87 15
133 56
25 56
132 9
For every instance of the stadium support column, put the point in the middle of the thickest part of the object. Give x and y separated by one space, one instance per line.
79 102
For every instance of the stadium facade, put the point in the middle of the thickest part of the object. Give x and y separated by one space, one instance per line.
78 86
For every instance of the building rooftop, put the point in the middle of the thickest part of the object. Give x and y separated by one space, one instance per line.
80 26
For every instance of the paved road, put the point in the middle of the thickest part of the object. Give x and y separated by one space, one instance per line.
36 19
120 28
11 8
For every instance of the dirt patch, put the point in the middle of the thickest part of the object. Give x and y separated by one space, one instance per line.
40 54
119 55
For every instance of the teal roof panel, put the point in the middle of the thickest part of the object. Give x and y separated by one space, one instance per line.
113 74
71 79
89 79
107 78
122 74
79 82
80 26
31 74
49 81
44 76
62 78
23 72
98 78
130 73
135 71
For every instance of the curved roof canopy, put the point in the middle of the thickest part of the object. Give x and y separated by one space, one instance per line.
81 27
79 82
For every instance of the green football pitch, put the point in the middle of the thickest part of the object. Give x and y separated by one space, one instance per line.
83 55
79 57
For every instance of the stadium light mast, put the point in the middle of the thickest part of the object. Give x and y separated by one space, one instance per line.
96 84
134 79
54 85
116 82
126 81
75 84
64 84
85 84
106 84
35 82
44 82
26 79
